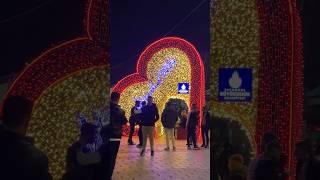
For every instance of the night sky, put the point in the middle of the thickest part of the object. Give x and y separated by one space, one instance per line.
136 24
48 23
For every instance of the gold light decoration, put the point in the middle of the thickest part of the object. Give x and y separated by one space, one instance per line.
235 43
168 89
54 124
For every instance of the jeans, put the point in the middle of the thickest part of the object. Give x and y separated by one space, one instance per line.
132 124
148 131
205 136
169 132
191 134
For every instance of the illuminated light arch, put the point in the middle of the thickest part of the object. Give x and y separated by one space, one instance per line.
197 82
267 38
45 80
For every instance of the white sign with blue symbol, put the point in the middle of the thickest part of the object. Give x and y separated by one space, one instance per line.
235 84
183 88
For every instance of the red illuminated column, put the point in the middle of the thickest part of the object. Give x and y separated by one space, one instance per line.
280 94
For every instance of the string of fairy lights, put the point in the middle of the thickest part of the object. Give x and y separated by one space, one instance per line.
264 36
173 60
281 72
235 43
54 123
70 78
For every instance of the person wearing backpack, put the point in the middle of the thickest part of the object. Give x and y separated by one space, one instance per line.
169 119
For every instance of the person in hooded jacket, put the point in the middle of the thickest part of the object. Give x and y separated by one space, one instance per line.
169 119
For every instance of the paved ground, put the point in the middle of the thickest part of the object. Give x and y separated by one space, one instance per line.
182 164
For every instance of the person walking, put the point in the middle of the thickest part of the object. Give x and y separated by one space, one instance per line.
205 127
135 115
19 158
192 124
112 133
150 115
169 119
143 104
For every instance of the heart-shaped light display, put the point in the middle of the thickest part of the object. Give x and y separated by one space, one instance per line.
161 66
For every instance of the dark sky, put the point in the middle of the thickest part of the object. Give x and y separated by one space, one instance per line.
40 24
311 38
136 24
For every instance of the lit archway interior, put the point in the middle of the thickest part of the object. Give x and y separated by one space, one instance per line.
160 68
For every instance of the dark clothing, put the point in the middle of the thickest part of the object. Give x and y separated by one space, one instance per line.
150 115
193 120
236 177
313 170
110 148
169 118
117 120
20 159
140 135
206 120
205 135
192 123
191 135
183 122
135 116
222 161
109 159
132 125
76 171
134 119
267 169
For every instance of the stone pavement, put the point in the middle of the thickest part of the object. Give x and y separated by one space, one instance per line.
182 164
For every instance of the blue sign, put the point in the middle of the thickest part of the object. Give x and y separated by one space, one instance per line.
235 84
183 88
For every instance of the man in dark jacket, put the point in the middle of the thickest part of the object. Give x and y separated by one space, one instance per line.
192 124
205 127
169 119
112 133
150 115
19 158
134 119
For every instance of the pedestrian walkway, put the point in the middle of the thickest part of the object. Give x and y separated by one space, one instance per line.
181 164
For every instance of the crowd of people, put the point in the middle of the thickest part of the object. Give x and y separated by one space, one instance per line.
20 159
269 164
146 114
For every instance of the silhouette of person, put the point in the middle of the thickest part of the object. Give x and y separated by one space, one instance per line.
81 164
205 127
192 124
19 158
134 118
169 118
150 115
143 104
113 133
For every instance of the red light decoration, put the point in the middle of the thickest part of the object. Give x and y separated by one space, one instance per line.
197 92
69 57
280 104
